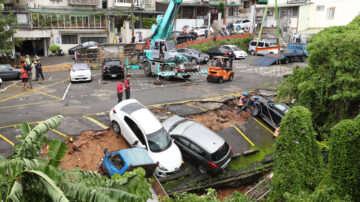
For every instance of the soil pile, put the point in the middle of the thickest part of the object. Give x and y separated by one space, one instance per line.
87 150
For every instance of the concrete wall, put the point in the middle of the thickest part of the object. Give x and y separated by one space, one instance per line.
180 23
126 33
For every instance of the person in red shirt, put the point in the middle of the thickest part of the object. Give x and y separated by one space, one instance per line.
128 84
120 91
24 76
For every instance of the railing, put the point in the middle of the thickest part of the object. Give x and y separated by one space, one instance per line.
84 2
296 1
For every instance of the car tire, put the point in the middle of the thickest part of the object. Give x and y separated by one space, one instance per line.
202 169
303 58
115 126
147 68
208 79
166 68
193 60
257 111
220 80
104 77
252 52
231 77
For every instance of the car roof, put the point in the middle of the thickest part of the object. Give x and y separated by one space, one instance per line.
147 121
135 156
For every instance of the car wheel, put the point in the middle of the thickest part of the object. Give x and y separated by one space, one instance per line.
166 68
257 110
303 58
115 126
252 52
194 61
103 77
187 76
202 169
231 77
220 80
147 68
207 79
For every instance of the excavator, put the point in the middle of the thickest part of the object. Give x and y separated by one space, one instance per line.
162 58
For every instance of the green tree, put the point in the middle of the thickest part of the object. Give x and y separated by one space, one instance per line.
8 27
221 9
344 161
298 163
28 176
329 87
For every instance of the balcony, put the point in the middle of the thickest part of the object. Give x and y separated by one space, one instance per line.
83 2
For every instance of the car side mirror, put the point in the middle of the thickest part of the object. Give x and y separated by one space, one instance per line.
135 143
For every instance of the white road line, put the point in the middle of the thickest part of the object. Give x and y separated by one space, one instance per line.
2 90
67 89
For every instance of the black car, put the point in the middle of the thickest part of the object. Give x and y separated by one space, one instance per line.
7 72
221 51
112 68
86 45
73 49
269 111
181 37
193 55
203 147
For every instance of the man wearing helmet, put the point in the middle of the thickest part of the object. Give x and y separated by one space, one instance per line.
249 103
242 104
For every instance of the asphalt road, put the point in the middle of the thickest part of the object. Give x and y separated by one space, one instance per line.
56 95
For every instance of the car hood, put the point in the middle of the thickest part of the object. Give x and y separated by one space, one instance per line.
204 55
240 52
171 122
170 159
80 72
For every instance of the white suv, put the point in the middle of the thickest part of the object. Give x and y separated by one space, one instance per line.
142 129
263 44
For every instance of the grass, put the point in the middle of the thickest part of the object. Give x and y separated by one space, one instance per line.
267 84
171 183
244 162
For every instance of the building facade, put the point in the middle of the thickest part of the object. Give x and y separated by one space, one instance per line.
68 23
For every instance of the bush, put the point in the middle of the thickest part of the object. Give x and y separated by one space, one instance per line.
344 161
298 163
243 43
148 22
54 48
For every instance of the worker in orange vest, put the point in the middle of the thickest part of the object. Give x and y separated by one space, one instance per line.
242 104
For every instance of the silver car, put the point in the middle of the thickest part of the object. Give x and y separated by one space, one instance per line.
210 152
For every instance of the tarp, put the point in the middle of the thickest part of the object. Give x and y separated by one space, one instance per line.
265 61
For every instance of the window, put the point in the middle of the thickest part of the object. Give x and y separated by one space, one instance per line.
183 141
295 11
331 13
136 130
69 39
246 4
220 153
159 140
96 39
267 45
196 149
261 44
320 8
231 11
180 50
281 108
117 161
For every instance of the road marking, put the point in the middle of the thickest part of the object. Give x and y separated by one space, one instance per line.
246 138
67 89
46 94
58 132
2 90
197 107
96 122
270 131
35 103
7 140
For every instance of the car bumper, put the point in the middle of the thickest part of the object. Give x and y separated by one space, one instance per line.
161 173
81 78
108 74
213 78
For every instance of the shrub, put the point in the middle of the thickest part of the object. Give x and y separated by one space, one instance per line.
298 163
243 43
54 48
148 22
344 161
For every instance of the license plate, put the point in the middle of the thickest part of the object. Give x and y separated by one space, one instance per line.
113 75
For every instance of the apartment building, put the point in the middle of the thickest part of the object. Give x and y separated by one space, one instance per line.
68 23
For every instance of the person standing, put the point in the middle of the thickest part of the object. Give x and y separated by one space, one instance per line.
27 62
120 39
115 40
120 91
206 33
140 37
38 69
24 76
128 84
242 104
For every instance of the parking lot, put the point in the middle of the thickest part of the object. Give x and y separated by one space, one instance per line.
85 105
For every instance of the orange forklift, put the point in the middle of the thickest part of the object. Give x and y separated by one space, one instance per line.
222 71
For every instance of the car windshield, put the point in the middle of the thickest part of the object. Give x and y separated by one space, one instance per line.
220 153
235 48
281 108
180 128
159 140
194 51
170 45
4 67
80 66
113 63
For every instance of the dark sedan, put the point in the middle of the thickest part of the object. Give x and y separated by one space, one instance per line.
202 146
73 49
193 55
8 72
221 51
182 37
269 111
86 45
112 68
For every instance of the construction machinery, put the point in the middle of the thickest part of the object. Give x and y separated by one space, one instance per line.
221 71
162 58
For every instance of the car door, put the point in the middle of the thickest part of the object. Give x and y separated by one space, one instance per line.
190 149
7 72
127 129
275 114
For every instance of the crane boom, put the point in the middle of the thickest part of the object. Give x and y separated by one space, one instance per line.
165 23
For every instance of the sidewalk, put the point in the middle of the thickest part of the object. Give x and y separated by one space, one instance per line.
56 60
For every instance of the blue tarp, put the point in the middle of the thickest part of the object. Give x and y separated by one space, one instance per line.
266 60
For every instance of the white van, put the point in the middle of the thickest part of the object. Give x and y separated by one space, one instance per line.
263 44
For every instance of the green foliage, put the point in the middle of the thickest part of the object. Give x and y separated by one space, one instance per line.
54 48
344 161
221 9
242 43
210 195
329 87
148 22
8 26
298 162
57 152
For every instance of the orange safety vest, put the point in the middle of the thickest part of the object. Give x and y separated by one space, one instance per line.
241 103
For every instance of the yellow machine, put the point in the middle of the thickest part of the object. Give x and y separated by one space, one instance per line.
222 71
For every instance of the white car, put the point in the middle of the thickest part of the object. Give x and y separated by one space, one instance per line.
0 81
142 129
80 72
200 31
264 44
239 54
243 23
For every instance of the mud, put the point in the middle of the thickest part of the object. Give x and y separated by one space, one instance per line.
87 150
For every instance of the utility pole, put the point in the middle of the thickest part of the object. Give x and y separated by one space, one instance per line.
132 20
252 16
225 13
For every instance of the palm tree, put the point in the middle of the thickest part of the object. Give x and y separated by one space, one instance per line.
27 177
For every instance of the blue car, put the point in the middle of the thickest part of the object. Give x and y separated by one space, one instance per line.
127 160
